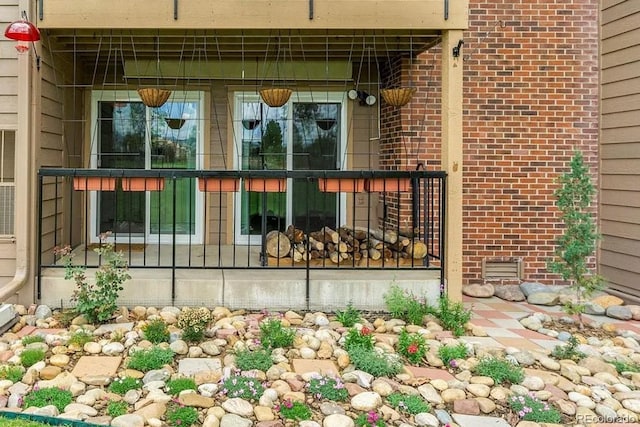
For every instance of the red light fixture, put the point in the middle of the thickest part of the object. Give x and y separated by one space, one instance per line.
26 34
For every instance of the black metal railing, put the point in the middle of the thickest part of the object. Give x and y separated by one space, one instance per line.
195 219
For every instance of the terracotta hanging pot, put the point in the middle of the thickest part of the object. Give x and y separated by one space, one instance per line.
142 184
398 97
153 96
218 184
94 183
336 185
266 185
275 96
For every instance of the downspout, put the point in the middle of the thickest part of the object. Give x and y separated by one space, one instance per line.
22 172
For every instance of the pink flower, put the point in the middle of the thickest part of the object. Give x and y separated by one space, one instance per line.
413 348
365 331
372 417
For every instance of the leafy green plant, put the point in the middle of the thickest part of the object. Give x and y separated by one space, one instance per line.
181 416
177 385
18 422
156 331
408 403
31 356
412 346
193 322
349 317
116 409
530 408
370 419
40 397
150 358
274 335
96 300
80 338
568 351
452 315
625 366
500 370
122 385
246 387
447 353
30 339
296 411
359 338
12 373
247 360
577 244
376 363
404 305
325 387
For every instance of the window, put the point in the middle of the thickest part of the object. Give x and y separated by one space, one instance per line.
7 184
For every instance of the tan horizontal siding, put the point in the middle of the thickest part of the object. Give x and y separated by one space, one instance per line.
620 229
620 182
623 135
619 104
629 166
615 244
620 198
621 88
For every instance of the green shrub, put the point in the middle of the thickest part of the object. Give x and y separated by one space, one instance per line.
193 322
447 353
274 335
31 356
80 338
181 416
122 385
116 409
404 305
12 373
29 339
248 388
452 315
412 346
156 331
349 317
408 403
500 370
175 386
530 408
296 411
370 419
375 363
362 338
324 387
625 366
150 358
247 360
47 396
568 351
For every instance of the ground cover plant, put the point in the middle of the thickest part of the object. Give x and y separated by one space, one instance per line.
349 317
6 422
260 359
40 397
31 356
80 338
449 353
274 335
500 370
568 351
181 416
122 385
326 387
296 411
375 362
30 339
116 409
150 358
12 373
404 305
370 419
408 403
156 331
530 408
622 366
177 385
246 387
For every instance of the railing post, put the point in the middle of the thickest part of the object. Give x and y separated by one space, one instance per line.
39 240
173 242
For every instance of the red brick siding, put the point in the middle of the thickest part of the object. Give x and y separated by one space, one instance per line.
530 100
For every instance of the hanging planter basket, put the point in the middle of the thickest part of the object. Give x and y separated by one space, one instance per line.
275 96
153 96
250 124
266 185
142 184
325 124
175 123
398 97
212 185
337 185
94 183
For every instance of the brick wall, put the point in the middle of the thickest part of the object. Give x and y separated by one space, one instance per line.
530 100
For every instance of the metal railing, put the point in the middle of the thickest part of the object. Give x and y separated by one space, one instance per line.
197 219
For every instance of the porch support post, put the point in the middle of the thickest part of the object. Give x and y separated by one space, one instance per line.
452 160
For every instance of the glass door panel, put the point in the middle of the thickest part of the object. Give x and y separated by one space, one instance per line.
316 144
264 146
121 145
174 138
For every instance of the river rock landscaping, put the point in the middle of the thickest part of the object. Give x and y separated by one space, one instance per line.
217 367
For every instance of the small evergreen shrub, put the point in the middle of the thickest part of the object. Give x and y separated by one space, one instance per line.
31 356
156 331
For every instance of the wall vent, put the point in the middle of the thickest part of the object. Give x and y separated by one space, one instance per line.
502 269
7 204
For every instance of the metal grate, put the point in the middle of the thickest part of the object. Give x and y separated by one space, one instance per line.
7 205
502 269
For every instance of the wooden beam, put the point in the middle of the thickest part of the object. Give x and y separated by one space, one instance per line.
452 157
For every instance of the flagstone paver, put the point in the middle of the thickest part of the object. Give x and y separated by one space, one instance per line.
479 421
97 366
431 373
192 366
324 367
520 343
112 327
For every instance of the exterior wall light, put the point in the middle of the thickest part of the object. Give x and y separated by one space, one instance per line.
457 49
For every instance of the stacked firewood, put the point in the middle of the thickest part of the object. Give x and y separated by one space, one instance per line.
346 245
